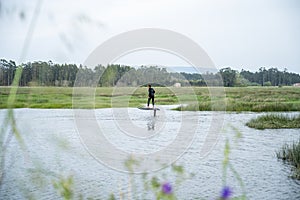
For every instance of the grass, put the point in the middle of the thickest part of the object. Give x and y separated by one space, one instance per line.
237 99
291 154
254 99
62 97
274 121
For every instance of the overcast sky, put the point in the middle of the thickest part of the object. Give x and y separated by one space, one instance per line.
244 34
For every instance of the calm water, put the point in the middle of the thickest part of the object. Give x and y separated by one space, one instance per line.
53 148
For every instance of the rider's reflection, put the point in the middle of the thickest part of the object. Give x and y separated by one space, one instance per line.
151 124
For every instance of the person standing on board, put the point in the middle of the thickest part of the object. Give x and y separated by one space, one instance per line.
151 92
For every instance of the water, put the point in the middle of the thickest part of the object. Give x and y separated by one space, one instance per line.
52 148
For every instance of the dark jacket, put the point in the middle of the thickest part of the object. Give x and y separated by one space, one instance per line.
151 92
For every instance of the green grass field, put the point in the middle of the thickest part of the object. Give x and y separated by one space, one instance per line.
257 99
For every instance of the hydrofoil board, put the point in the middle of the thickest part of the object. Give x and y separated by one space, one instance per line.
146 108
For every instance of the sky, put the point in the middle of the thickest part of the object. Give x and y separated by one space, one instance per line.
241 34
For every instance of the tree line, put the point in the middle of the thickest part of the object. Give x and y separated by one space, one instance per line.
49 74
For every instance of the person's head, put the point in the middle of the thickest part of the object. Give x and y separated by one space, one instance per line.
149 86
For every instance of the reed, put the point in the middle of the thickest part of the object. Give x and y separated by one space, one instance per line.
291 154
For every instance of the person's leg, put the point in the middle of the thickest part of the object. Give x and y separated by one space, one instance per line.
148 101
152 101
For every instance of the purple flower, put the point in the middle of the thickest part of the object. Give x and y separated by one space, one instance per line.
166 188
226 192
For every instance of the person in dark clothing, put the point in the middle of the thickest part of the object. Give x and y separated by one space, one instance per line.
151 92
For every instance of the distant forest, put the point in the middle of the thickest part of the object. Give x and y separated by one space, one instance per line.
49 74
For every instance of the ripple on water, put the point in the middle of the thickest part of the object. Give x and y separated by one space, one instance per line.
54 149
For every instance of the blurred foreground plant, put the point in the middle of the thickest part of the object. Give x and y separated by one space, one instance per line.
164 189
64 187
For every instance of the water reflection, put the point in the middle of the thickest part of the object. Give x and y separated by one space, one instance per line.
151 124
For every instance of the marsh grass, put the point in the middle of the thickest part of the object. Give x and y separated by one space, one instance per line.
274 121
61 97
291 154
254 99
238 99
